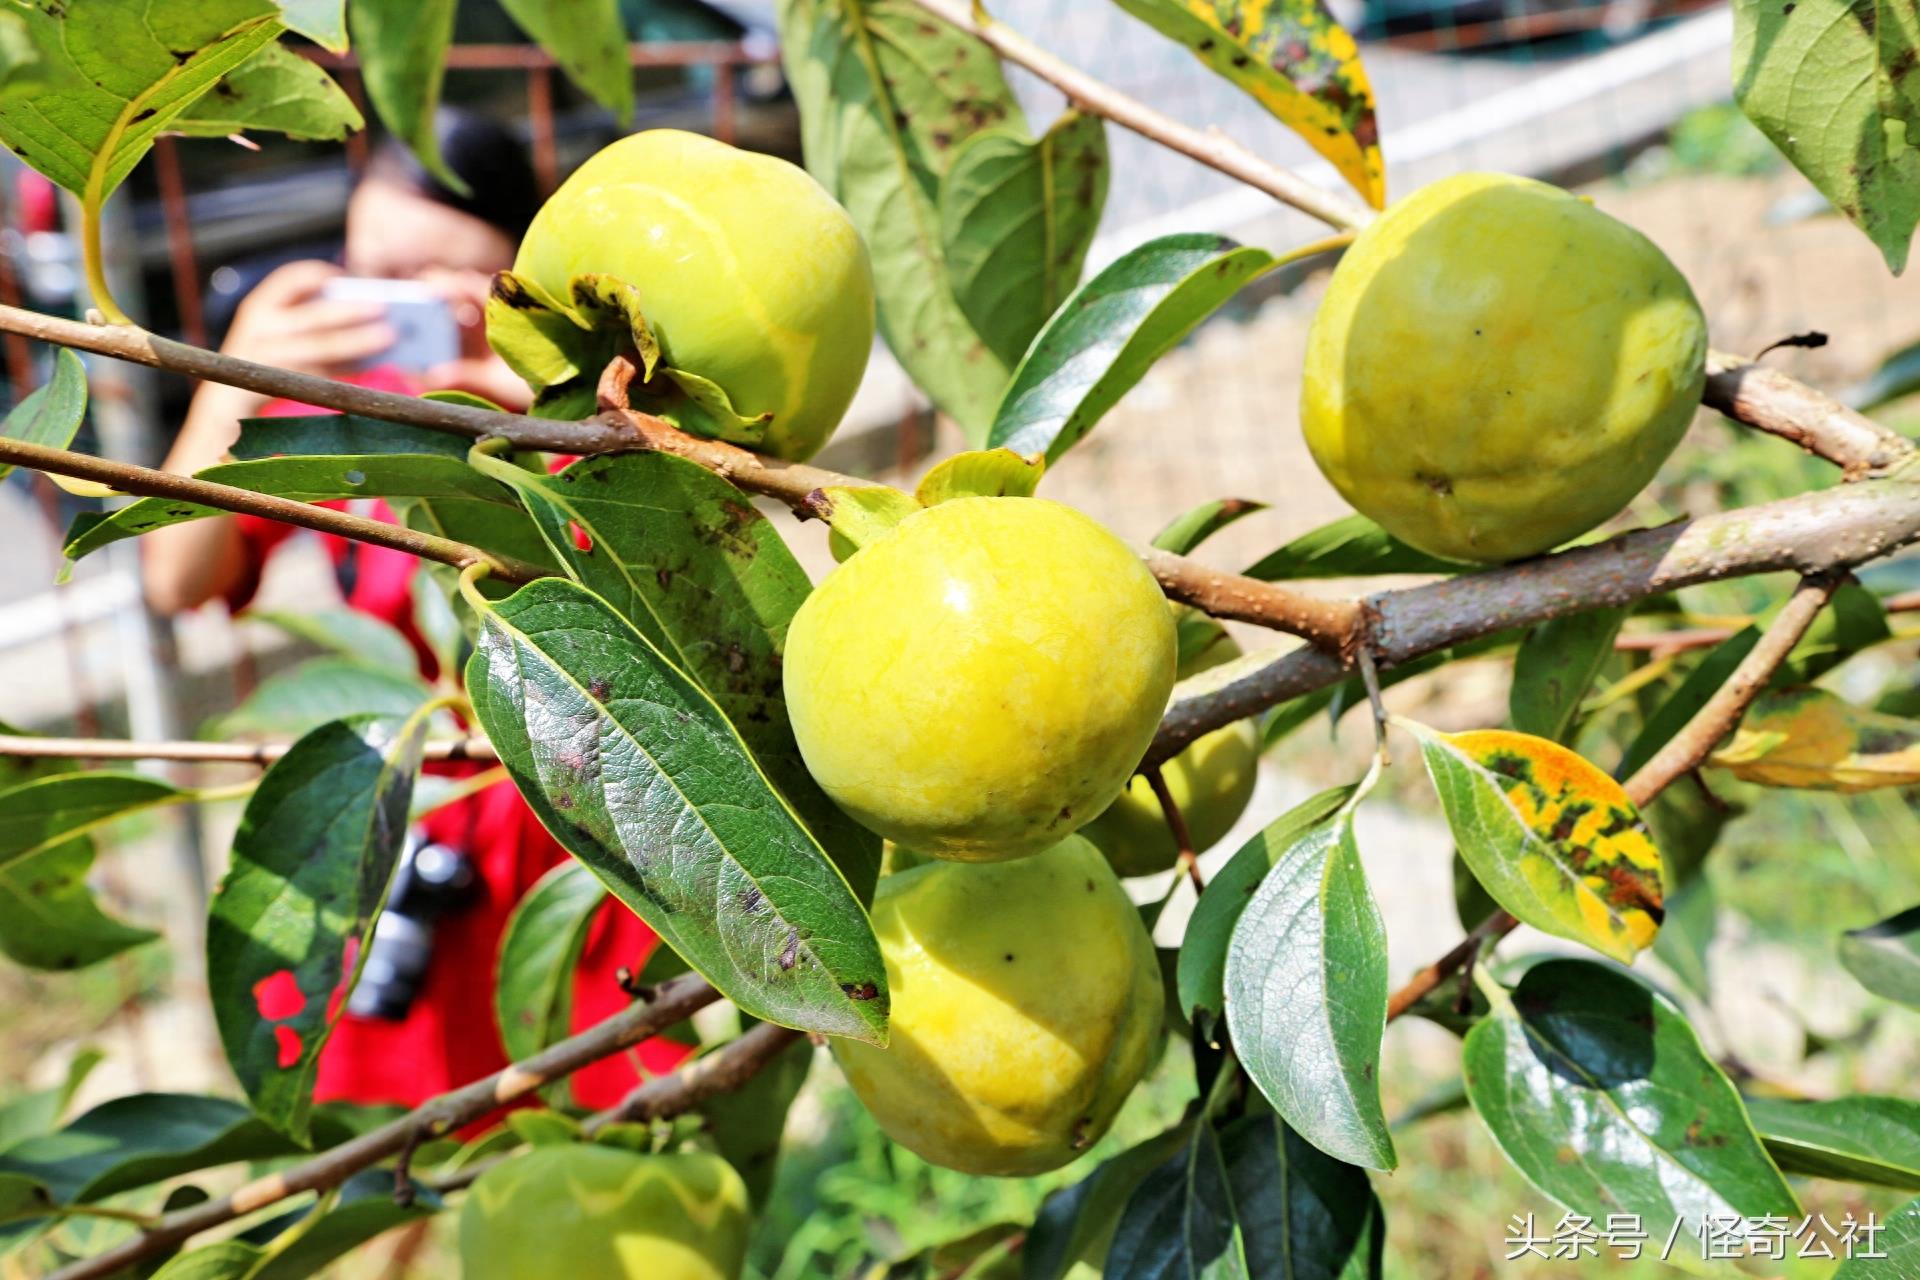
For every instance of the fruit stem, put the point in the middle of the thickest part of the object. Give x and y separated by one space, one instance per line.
1187 861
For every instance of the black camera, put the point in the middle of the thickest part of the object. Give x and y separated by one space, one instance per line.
432 882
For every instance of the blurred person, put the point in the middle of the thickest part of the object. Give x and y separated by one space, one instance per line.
403 224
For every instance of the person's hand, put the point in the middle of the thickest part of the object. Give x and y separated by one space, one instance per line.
286 321
478 371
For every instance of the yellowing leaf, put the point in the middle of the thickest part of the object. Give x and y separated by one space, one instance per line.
1814 740
1294 60
982 473
1552 838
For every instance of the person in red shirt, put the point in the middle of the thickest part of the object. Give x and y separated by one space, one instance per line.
403 224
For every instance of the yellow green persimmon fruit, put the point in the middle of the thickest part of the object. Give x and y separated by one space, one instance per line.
1498 366
749 274
584 1212
981 680
1026 1006
1211 781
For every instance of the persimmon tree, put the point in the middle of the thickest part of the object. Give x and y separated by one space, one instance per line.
618 629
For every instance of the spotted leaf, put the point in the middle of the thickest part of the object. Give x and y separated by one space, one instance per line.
1294 60
1554 840
1813 740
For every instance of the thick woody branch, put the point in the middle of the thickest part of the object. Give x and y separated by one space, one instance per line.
1214 150
262 753
1682 753
673 1002
145 482
1816 533
1770 401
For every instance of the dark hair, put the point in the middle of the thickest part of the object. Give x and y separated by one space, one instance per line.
486 155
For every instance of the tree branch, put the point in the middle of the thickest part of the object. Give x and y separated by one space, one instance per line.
1814 533
1214 150
673 1001
263 753
1770 401
1682 754
146 482
722 1071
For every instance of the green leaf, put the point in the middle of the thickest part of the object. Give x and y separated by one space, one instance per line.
1241 1202
51 811
1017 217
687 559
1553 839
316 846
274 91
1684 703
402 46
1687 934
1292 58
142 1139
335 434
49 918
1350 547
365 1209
1110 332
346 632
533 991
1203 951
290 703
886 97
1899 1241
1853 620
1859 1139
1885 957
1306 993
1598 1091
304 479
50 414
1556 666
588 38
22 1198
110 75
1076 1224
980 473
747 1123
322 21
640 775
1832 84
1186 532
32 1114
227 1260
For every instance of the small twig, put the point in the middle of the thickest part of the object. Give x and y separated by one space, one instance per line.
261 753
1770 401
1463 999
1680 756
146 482
1370 677
722 1071
403 1187
1186 862
1686 749
1212 149
676 1000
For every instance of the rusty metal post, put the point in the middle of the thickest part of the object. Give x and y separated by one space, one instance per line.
180 256
724 98
546 160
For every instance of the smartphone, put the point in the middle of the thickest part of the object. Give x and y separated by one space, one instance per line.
426 334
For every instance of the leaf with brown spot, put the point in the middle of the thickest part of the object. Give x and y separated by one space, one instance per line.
1810 739
1551 837
1292 58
